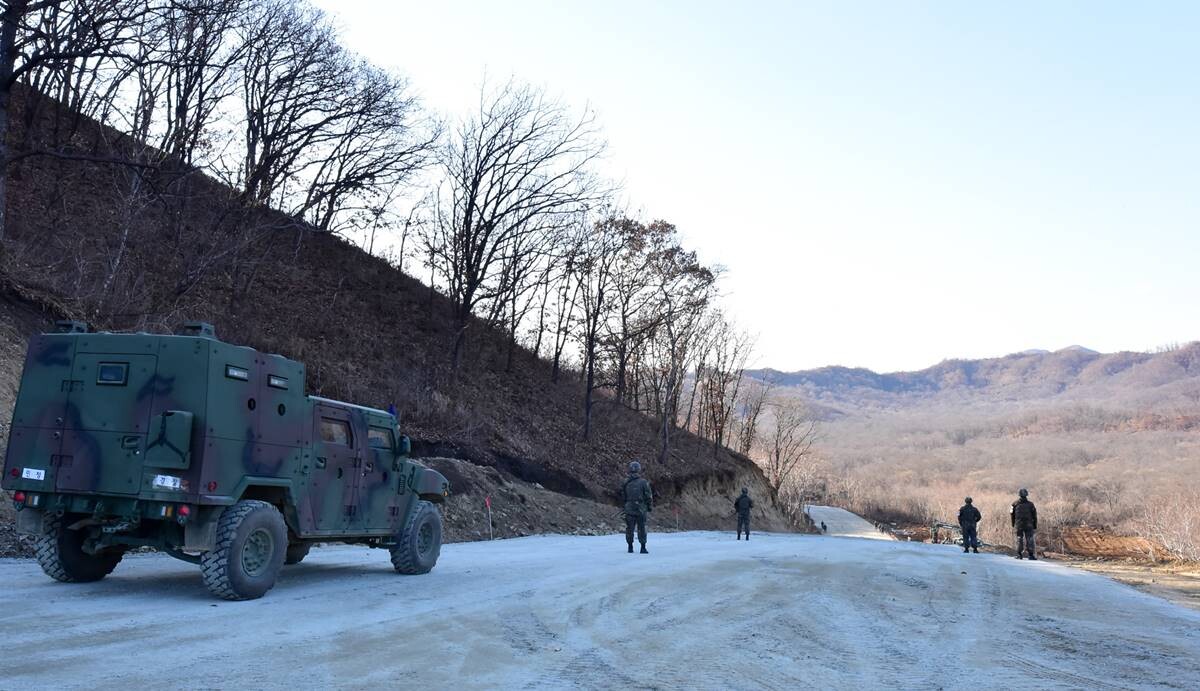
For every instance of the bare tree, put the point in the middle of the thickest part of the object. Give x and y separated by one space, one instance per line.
520 164
753 399
1173 521
790 443
721 379
685 289
57 47
325 133
599 250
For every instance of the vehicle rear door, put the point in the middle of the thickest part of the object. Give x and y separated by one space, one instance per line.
106 423
35 438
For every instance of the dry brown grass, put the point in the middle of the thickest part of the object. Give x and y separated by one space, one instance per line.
1081 470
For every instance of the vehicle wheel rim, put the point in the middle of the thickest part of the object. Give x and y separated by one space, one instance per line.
256 553
425 538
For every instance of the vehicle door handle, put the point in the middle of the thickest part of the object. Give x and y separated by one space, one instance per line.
130 442
320 462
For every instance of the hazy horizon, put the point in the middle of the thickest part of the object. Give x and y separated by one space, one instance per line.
888 185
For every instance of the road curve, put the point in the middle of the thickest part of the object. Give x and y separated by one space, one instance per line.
842 523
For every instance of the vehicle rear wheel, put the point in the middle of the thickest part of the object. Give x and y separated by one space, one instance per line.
251 546
60 554
420 542
296 552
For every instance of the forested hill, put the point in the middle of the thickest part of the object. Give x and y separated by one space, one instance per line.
1069 375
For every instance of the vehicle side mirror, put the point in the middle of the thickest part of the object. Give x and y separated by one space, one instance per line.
404 448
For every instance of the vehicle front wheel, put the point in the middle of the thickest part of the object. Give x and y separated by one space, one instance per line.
251 546
60 554
420 542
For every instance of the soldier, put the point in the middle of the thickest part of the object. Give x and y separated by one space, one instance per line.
742 505
823 528
1024 522
639 502
968 518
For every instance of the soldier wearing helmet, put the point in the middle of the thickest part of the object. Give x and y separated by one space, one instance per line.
1024 522
639 502
968 519
742 506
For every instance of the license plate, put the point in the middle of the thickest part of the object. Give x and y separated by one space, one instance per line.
166 482
33 474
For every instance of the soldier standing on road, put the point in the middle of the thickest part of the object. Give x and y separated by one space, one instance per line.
639 502
968 518
742 505
1024 521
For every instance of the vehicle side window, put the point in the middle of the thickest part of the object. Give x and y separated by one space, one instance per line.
335 432
381 438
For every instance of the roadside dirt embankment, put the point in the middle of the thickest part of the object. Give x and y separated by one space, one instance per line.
521 508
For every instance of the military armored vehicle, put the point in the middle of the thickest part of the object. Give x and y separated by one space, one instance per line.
207 451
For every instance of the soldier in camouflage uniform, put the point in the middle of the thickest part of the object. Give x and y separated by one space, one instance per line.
968 519
639 502
1024 522
742 505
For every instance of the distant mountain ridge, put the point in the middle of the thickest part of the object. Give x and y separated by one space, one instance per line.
1071 372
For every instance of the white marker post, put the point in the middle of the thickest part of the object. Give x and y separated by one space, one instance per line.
487 501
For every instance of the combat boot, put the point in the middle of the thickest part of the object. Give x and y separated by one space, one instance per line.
631 548
976 550
1032 558
644 551
966 549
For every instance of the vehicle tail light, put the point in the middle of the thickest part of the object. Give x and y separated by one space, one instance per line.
185 511
212 486
15 473
19 497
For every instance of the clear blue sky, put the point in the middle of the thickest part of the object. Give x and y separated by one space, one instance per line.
888 183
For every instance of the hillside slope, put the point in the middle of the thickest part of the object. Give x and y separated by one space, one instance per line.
84 242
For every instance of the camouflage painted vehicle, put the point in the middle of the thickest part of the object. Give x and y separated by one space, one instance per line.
209 452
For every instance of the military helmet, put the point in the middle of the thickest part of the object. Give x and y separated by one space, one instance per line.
968 500
745 490
635 467
1023 493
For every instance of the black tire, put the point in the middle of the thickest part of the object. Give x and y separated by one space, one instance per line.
60 554
420 542
251 545
296 552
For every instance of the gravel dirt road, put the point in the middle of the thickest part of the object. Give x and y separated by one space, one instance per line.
842 523
701 611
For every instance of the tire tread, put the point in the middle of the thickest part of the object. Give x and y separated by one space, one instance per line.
404 558
49 556
214 564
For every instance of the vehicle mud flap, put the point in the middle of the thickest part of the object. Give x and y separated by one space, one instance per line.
30 522
201 536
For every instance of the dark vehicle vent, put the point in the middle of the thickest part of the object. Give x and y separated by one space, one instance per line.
71 326
201 329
